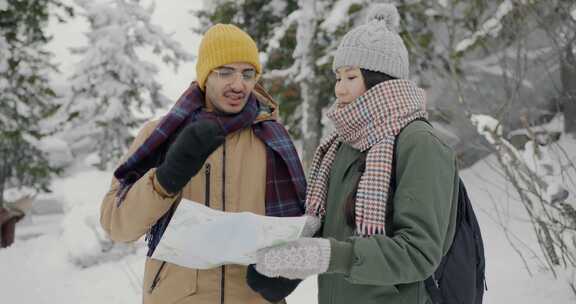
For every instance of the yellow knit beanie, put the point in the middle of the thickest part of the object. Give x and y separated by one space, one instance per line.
223 44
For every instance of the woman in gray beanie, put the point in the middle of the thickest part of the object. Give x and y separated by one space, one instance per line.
361 253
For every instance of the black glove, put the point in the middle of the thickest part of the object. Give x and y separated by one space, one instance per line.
187 154
271 289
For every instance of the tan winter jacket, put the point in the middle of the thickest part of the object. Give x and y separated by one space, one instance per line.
232 179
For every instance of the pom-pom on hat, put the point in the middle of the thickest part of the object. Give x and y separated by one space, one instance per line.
375 45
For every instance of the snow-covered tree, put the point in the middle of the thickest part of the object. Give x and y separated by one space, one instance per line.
26 95
113 89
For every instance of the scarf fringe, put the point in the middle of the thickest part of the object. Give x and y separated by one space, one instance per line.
366 229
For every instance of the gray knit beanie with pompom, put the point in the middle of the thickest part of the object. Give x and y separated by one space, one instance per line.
375 45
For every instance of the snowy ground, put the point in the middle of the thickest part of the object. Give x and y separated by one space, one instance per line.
38 268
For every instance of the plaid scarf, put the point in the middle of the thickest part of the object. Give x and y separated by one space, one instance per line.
285 180
371 123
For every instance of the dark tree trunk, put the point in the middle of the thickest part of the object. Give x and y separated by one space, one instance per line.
568 74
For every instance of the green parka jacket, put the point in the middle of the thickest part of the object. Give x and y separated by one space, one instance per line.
381 269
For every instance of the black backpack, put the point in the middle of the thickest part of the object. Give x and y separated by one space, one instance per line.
460 277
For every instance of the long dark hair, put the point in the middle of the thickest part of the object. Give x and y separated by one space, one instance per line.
371 78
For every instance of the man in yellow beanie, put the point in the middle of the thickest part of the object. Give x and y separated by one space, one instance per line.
225 52
220 145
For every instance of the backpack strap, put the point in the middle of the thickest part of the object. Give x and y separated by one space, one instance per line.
430 283
393 183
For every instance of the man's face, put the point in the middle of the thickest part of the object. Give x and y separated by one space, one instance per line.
228 87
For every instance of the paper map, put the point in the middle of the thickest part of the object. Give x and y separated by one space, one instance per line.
200 237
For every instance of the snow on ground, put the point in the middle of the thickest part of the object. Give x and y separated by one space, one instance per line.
507 278
38 268
37 271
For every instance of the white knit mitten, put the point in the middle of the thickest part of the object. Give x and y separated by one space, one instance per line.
311 226
298 259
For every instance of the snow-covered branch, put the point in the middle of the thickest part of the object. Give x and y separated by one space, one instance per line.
492 26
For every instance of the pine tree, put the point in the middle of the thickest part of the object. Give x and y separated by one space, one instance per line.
112 83
26 95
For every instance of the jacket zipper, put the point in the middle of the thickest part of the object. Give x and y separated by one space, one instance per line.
207 189
332 292
207 203
156 278
223 270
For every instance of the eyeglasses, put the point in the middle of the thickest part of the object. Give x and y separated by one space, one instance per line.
229 75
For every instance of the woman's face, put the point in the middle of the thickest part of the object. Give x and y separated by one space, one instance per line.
349 85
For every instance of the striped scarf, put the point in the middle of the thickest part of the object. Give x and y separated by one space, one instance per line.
285 179
371 123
